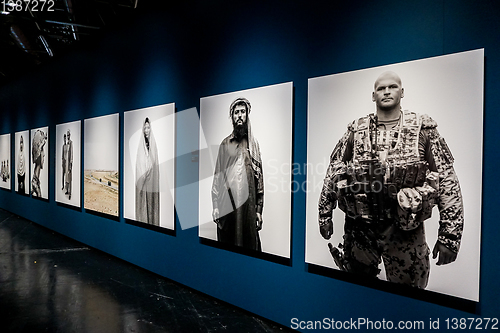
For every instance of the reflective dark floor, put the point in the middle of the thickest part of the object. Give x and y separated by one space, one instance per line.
49 283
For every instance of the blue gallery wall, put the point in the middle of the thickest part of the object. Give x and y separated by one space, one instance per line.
197 49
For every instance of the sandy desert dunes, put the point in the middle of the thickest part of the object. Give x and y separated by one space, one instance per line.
101 191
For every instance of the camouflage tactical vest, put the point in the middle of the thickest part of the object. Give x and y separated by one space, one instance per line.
394 146
384 162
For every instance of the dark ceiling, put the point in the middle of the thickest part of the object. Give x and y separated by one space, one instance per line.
30 36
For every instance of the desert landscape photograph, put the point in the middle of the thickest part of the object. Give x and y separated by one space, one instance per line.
101 178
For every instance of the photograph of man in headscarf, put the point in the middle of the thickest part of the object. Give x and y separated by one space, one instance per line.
238 184
147 178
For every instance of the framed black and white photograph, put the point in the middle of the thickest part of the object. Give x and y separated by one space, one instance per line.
245 179
6 165
39 151
68 163
395 176
149 165
101 177
22 160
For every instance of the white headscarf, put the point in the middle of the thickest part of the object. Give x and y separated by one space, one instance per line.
147 179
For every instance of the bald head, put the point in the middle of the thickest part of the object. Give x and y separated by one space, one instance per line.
387 93
388 76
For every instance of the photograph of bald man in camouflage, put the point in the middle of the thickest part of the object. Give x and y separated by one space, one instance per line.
388 172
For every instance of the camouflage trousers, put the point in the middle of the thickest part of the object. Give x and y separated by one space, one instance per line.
405 253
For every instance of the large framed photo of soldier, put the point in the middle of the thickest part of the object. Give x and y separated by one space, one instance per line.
149 168
22 160
244 186
6 165
101 177
394 191
39 151
68 163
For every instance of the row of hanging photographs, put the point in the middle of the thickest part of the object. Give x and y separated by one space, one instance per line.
245 183
143 163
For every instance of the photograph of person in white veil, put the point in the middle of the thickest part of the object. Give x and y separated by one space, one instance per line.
149 167
147 178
